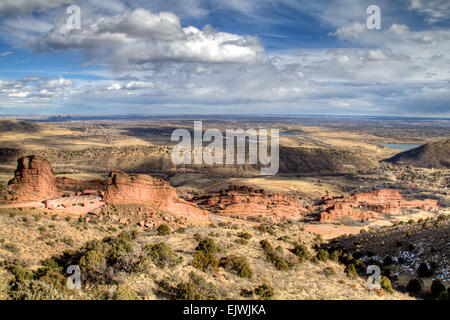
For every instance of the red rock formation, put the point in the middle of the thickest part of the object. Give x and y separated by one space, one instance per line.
369 205
123 188
70 184
244 202
33 180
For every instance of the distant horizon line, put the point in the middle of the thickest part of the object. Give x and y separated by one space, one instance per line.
132 116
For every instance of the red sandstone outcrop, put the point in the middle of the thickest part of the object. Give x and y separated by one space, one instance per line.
243 201
369 205
33 180
75 185
123 188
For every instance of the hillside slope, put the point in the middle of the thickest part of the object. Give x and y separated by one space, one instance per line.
430 155
9 125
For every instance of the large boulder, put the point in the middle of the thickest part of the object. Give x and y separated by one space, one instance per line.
123 188
33 180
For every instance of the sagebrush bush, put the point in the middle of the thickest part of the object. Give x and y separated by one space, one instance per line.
265 228
119 247
125 292
423 270
322 255
272 256
197 288
237 264
163 230
35 290
93 261
245 235
54 277
414 285
388 261
328 271
335 254
204 261
162 255
204 255
437 287
241 241
264 291
351 271
302 252
208 246
386 284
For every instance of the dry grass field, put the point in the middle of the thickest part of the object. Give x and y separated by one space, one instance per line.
44 237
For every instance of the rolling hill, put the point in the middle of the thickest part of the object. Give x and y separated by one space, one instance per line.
430 155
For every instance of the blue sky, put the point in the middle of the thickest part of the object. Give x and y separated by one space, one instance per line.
236 56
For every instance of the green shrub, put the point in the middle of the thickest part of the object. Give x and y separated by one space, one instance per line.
53 277
119 247
388 261
301 251
196 289
35 290
437 287
265 228
264 291
281 264
125 292
93 261
328 271
322 255
241 241
181 230
335 254
50 263
237 264
204 261
163 230
208 246
414 285
351 271
162 255
245 235
21 273
128 235
273 257
423 270
386 284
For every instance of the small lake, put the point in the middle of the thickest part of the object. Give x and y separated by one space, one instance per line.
400 146
292 133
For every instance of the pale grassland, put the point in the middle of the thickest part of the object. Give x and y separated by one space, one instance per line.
304 281
54 137
40 239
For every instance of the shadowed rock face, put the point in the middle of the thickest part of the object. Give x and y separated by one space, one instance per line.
370 205
123 188
244 201
33 180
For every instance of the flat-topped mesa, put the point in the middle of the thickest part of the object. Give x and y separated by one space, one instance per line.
123 188
370 205
246 202
33 180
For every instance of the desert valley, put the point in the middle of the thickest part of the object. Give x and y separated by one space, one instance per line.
102 193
